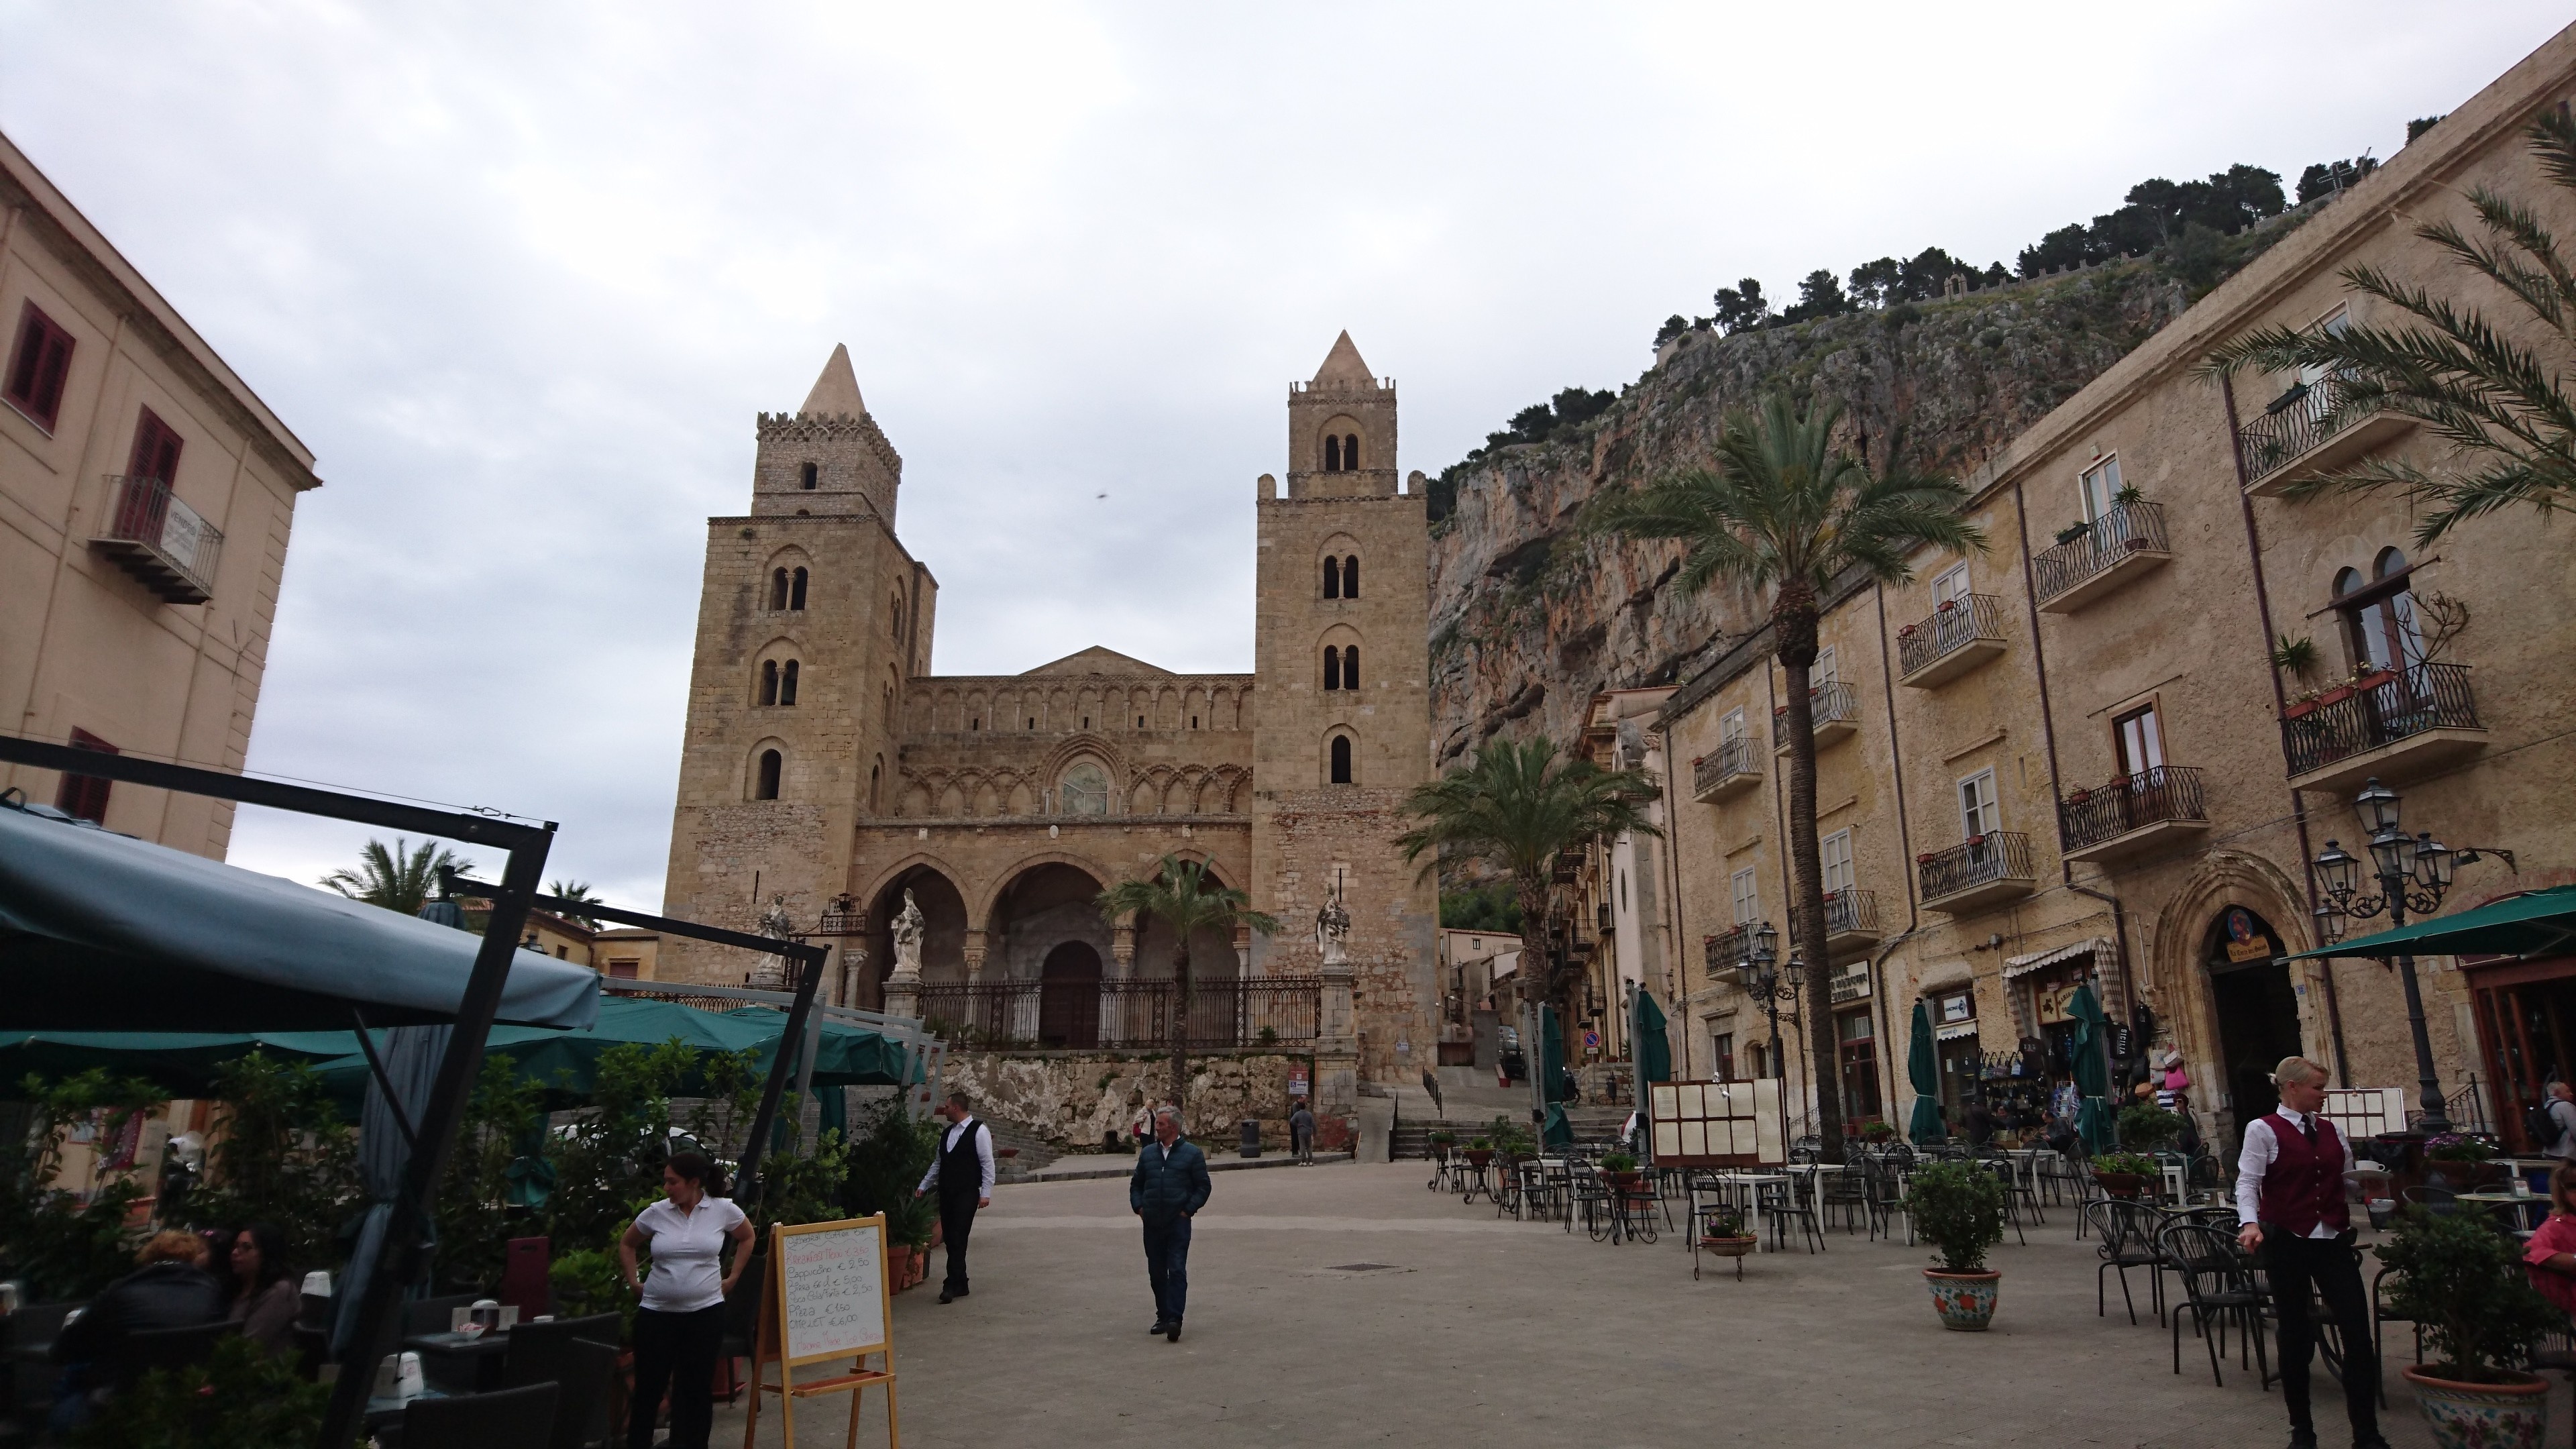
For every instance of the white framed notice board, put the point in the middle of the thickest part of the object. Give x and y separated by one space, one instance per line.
1715 1124
828 1298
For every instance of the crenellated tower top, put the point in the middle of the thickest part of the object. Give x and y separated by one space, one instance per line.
828 457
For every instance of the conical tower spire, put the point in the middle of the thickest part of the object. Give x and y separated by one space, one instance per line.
836 392
1343 366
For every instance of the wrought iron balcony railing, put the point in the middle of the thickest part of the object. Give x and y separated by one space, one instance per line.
2380 709
2166 794
1732 763
1834 707
1850 912
1727 950
2313 425
1982 867
160 540
1960 632
2130 532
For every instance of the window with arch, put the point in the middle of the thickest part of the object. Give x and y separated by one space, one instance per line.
876 777
1339 767
787 683
777 590
808 476
1350 452
1332 454
1350 576
1332 578
898 616
1351 667
764 784
1332 667
796 591
1084 790
2378 614
769 681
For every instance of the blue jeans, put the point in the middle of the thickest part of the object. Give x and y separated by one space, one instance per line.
1167 1266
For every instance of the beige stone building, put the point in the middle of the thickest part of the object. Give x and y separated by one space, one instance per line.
826 771
2073 758
146 494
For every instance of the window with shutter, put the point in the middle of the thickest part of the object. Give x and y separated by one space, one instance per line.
85 796
39 364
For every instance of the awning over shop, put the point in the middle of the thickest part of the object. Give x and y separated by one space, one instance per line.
181 943
2023 965
2539 923
1954 1031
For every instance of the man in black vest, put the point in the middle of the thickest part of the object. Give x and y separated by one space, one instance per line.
962 1170
2291 1178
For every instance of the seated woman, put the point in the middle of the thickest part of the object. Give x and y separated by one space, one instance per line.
2549 1259
169 1289
265 1298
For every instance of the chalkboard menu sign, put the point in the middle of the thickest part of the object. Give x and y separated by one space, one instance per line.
827 1299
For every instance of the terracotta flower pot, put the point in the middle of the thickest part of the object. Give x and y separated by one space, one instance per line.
1480 1157
1965 1301
2483 1416
1736 1248
2122 1184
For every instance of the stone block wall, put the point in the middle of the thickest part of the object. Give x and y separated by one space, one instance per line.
1070 1098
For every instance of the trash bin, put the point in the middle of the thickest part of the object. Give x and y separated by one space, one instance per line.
1251 1137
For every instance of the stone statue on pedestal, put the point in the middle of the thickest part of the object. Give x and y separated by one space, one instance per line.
907 941
1333 932
772 974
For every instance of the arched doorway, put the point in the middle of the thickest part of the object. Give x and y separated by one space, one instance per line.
2257 1008
1069 998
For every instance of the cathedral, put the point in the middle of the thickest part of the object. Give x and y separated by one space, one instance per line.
828 775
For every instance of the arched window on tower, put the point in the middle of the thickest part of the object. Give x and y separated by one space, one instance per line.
769 681
876 772
808 476
787 684
1351 453
1332 579
765 787
1332 454
1351 667
1332 667
898 617
1341 760
1351 577
777 590
796 590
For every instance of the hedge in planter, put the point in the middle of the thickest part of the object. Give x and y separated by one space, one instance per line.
2463 1283
1958 1208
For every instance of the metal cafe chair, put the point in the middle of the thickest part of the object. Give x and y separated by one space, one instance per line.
2218 1287
2127 1232
1791 1201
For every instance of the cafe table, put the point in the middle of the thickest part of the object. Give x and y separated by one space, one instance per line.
2526 1207
462 1364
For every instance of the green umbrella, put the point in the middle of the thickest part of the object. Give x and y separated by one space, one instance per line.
1654 1048
2092 1078
1923 1069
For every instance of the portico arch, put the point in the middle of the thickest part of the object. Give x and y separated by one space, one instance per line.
943 915
2185 993
1038 908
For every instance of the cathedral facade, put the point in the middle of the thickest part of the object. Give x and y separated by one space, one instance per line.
828 773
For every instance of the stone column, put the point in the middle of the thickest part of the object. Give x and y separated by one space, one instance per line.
1117 1024
974 957
1122 948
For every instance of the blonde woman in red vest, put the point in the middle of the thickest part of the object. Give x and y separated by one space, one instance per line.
2291 1178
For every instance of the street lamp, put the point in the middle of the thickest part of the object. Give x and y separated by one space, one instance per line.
1767 983
2413 874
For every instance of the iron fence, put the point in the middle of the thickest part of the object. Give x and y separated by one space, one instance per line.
1085 1015
2130 802
1997 855
2380 711
2127 529
1732 759
1953 626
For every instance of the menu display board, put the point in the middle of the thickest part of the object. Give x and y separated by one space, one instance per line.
1715 1124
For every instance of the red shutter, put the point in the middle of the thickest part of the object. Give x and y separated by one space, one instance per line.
156 450
39 365
85 796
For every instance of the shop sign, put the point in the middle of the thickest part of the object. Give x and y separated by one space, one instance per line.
1849 983
2245 941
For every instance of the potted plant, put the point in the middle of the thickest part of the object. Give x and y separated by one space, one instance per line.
1958 1207
2297 656
2462 1164
1480 1152
1878 1132
2073 531
1905 632
2129 493
1926 857
2146 1127
1621 1169
2461 1282
1722 1232
1441 1142
2124 1174
2079 795
1946 606
2372 678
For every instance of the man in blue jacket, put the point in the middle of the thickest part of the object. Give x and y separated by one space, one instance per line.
1169 1186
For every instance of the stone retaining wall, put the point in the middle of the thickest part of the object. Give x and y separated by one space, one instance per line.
1071 1098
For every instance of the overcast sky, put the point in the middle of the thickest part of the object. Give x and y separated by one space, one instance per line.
521 275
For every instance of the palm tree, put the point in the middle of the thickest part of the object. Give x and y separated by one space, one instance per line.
577 890
1517 808
403 878
1185 898
1785 508
2490 397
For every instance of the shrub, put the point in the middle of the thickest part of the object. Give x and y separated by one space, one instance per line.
2452 1147
593 1281
282 1155
1958 1208
498 1181
1618 1162
909 1220
243 1397
2462 1282
59 1246
2146 1127
2128 1162
887 1156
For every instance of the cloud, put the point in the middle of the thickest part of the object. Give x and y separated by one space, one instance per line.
522 275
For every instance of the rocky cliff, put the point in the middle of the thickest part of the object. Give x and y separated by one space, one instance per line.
1529 616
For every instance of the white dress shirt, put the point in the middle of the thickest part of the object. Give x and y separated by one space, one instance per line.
2256 1158
983 1155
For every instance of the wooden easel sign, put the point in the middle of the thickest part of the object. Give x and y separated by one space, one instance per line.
827 1300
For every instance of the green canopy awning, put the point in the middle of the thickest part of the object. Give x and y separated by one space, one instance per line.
2538 923
181 1063
1923 1071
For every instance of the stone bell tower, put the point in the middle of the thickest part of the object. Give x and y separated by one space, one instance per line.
1342 649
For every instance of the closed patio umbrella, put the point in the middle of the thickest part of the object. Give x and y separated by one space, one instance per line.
2092 1079
1654 1048
1923 1070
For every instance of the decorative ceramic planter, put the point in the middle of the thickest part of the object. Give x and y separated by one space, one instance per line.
2483 1416
1965 1301
2122 1184
1735 1248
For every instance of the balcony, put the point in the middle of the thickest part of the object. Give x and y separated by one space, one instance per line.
1726 952
1979 871
1731 769
2120 546
2397 724
160 540
1961 634
2132 814
1837 713
2311 429
1851 921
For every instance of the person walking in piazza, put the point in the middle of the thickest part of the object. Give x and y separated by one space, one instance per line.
2291 1178
962 1172
1168 1188
1301 1133
2561 1106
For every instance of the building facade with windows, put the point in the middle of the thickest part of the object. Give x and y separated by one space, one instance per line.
146 496
2107 749
827 772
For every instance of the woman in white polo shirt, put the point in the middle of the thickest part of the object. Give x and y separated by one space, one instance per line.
679 1328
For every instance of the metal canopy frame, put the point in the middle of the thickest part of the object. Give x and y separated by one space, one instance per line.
434 1135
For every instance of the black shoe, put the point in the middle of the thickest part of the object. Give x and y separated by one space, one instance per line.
2303 1439
2373 1442
1161 1325
945 1295
1176 1331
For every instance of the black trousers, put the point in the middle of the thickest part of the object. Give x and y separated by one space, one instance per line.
956 1221
2334 1269
675 1351
1167 1265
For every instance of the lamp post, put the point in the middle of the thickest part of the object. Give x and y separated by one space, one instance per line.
2413 873
1766 982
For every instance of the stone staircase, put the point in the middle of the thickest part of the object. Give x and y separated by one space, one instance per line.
1033 1153
1595 1128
